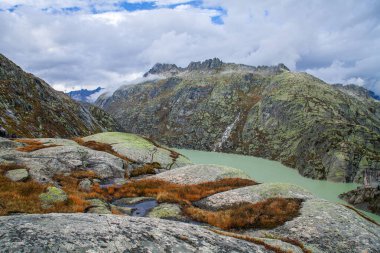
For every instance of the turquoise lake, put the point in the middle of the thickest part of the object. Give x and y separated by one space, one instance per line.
263 170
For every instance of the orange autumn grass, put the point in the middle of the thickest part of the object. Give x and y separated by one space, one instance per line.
23 197
165 191
33 145
269 213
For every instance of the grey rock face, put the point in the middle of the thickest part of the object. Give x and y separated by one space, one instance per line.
17 175
195 174
110 233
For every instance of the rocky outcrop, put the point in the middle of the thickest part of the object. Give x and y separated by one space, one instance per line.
29 107
200 173
329 227
324 131
45 163
68 156
322 225
367 198
110 233
140 149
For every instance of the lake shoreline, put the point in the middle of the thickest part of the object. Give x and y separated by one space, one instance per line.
265 171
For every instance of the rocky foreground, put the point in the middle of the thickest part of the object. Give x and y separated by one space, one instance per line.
88 192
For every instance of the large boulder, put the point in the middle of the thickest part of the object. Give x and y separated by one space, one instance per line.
111 233
195 174
140 149
254 194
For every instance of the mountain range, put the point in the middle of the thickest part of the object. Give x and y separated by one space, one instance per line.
325 131
84 95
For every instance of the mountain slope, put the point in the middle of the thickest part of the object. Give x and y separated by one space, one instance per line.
29 107
295 118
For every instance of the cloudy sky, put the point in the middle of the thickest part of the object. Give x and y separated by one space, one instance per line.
88 43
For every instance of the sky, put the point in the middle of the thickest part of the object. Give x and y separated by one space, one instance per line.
75 44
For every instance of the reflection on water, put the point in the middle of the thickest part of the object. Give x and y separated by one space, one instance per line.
263 170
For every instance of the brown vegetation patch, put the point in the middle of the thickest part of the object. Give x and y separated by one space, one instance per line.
146 169
18 197
269 213
170 192
23 197
33 145
99 146
76 198
10 166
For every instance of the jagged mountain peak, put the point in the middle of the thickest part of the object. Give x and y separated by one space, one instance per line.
210 65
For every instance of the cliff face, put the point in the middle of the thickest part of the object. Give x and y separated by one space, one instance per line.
326 132
29 107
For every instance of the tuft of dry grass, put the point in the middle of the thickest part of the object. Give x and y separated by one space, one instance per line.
33 145
23 197
18 197
146 169
170 192
269 213
76 198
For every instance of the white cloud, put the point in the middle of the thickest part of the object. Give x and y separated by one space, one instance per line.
338 41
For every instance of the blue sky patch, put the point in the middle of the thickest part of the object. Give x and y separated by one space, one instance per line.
137 6
218 20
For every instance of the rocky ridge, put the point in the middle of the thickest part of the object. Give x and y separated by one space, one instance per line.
29 107
324 131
